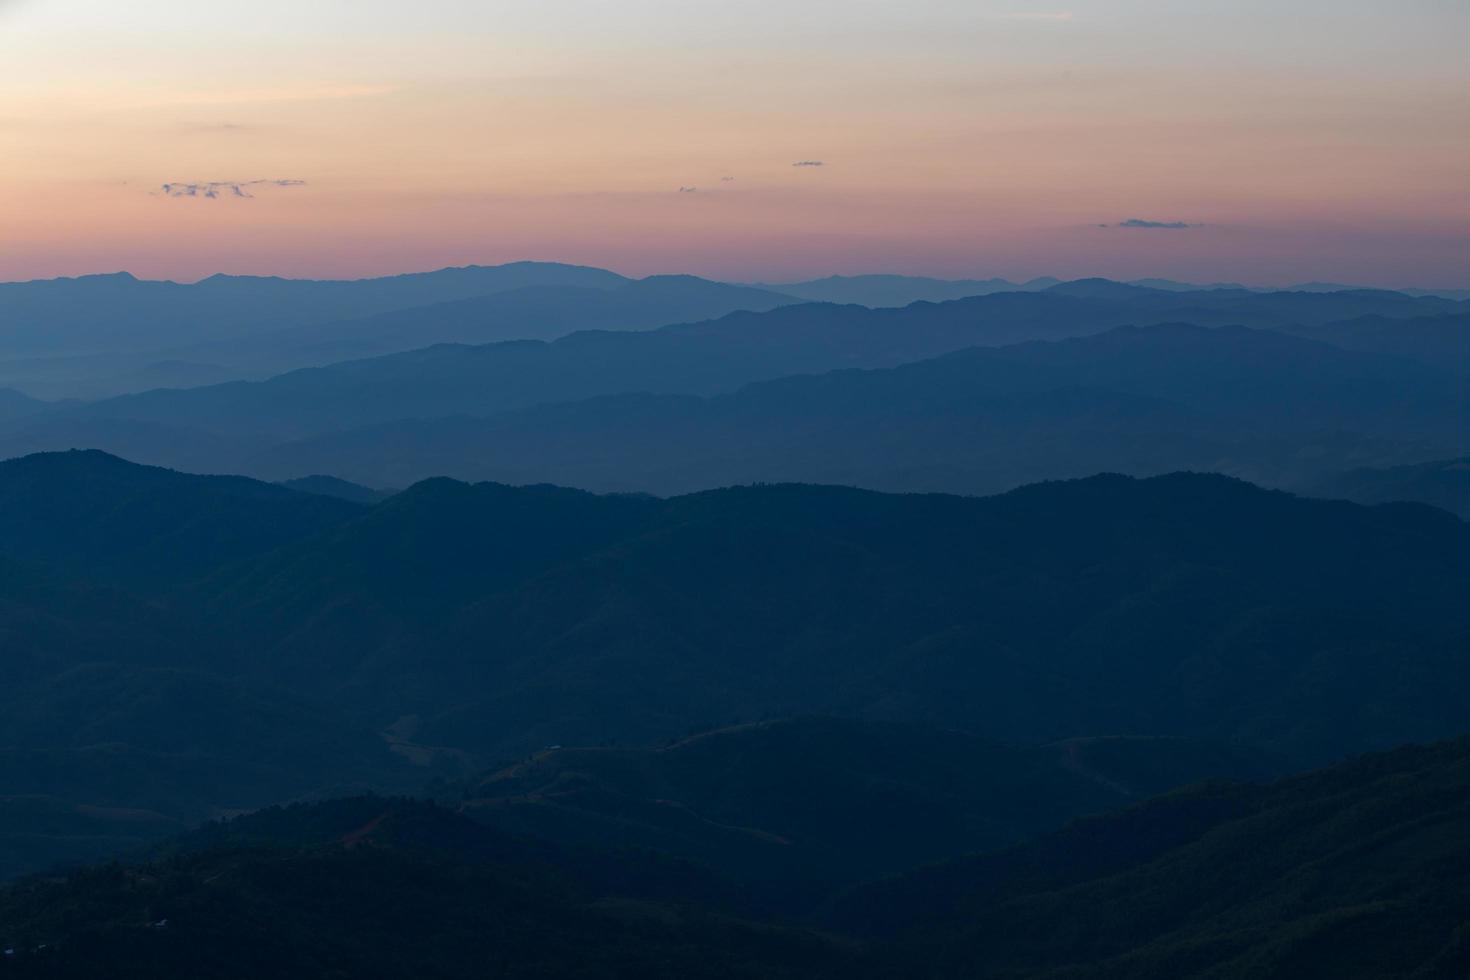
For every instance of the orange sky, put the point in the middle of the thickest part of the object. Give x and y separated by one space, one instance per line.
1328 142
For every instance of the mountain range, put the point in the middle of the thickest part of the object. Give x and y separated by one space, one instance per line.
597 409
1357 871
1258 404
240 643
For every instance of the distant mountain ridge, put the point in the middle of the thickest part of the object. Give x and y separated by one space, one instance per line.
1442 483
98 313
899 290
1135 400
103 335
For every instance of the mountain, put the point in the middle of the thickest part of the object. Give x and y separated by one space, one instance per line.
98 517
1194 606
331 486
15 405
172 445
1355 872
512 618
374 888
529 313
1185 605
117 313
1442 341
698 359
889 290
194 645
1442 483
101 335
114 729
1254 403
1174 285
1459 295
795 810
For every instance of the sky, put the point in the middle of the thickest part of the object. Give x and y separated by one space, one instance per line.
1264 142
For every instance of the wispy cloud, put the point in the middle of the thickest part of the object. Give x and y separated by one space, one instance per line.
809 163
1145 223
688 190
214 189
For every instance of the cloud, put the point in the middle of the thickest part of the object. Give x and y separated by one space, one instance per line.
215 189
809 163
688 190
726 180
1144 223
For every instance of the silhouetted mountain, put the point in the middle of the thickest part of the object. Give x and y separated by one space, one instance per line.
703 358
1174 285
890 290
1358 872
14 405
95 516
1443 341
331 486
255 643
79 337
887 290
371 888
1442 483
1253 403
175 446
1458 295
1252 308
793 810
1355 872
113 730
531 313
118 312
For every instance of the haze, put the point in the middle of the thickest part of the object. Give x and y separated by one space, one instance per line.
1305 141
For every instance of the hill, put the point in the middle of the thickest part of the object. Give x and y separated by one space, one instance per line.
95 516
1442 483
889 290
14 405
1443 341
1355 872
456 627
1254 403
794 810
701 359
118 313
331 486
102 335
383 888
528 313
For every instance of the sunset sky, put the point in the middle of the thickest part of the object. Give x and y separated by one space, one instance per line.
1301 140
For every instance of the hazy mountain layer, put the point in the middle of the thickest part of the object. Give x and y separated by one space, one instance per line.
1254 403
